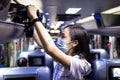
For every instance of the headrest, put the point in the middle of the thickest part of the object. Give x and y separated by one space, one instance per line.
34 48
100 53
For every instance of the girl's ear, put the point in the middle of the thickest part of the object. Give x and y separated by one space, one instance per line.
75 43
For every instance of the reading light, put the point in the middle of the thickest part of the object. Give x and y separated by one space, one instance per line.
47 13
72 10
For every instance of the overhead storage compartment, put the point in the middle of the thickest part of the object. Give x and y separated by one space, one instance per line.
108 25
111 31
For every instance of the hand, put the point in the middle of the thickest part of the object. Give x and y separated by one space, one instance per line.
32 11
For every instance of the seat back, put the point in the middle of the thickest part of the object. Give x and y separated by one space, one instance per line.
105 69
98 70
98 62
25 73
45 58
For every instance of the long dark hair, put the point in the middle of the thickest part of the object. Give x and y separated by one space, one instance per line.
77 32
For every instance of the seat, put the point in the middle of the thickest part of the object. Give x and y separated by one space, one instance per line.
37 58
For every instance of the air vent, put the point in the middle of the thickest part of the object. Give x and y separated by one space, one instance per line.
67 17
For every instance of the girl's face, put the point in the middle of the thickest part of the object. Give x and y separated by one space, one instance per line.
66 35
67 38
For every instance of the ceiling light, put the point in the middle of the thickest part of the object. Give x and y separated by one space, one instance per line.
117 12
90 18
54 31
72 10
111 11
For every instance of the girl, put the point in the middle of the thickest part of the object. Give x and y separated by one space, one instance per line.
72 52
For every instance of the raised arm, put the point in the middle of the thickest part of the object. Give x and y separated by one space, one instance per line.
47 41
36 38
